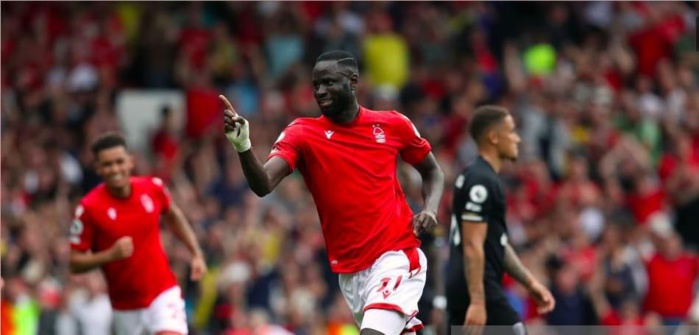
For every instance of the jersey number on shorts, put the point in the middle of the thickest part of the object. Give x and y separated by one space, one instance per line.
384 286
176 312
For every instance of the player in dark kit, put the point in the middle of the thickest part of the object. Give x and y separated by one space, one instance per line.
348 158
480 253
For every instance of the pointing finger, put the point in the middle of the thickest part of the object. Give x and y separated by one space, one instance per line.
227 104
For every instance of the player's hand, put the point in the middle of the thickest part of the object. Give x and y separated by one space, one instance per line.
122 248
476 317
199 268
543 297
236 128
424 221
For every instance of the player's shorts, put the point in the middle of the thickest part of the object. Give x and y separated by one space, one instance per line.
499 315
165 313
394 282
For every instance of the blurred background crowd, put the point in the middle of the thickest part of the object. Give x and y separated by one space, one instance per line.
603 204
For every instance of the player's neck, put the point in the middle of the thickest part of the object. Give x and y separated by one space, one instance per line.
492 158
349 114
121 192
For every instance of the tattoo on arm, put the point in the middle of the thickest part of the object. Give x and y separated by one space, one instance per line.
515 268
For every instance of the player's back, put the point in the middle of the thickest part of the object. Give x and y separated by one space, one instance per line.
478 197
350 170
101 219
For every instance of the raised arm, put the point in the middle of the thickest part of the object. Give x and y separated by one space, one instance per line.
262 179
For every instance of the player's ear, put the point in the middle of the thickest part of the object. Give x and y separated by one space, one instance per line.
354 81
492 135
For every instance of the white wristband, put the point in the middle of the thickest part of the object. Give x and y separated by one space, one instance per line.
243 147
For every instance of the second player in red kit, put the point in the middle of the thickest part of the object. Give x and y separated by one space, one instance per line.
348 157
117 228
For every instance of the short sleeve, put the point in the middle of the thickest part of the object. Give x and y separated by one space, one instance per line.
162 194
475 198
81 230
288 145
414 148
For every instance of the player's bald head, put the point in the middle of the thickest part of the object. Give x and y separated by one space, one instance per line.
345 61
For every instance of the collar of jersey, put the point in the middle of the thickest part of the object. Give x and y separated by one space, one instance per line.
350 124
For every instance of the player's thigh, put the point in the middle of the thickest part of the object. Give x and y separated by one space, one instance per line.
382 321
350 288
166 314
129 322
396 282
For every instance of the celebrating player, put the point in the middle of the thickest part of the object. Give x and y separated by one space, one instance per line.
348 158
117 228
480 253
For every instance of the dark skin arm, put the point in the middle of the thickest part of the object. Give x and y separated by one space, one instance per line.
262 179
432 189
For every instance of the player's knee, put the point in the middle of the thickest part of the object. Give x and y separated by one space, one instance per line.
367 331
382 322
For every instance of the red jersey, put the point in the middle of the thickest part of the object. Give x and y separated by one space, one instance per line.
671 278
101 219
350 170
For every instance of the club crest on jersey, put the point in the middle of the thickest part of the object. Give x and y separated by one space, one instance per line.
111 213
329 133
379 134
147 203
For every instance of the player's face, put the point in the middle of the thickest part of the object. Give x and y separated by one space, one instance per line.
114 165
508 139
332 88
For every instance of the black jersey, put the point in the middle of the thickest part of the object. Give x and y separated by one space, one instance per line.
479 198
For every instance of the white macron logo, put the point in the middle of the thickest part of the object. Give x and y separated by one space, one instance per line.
112 213
147 203
329 133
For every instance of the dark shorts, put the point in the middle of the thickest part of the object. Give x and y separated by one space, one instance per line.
501 316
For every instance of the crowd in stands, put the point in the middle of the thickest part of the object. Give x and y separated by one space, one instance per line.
602 204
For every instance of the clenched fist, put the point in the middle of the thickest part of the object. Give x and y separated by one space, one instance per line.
122 248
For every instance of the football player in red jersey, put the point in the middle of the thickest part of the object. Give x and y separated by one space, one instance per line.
117 228
348 159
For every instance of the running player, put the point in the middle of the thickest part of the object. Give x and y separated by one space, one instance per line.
348 157
117 228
